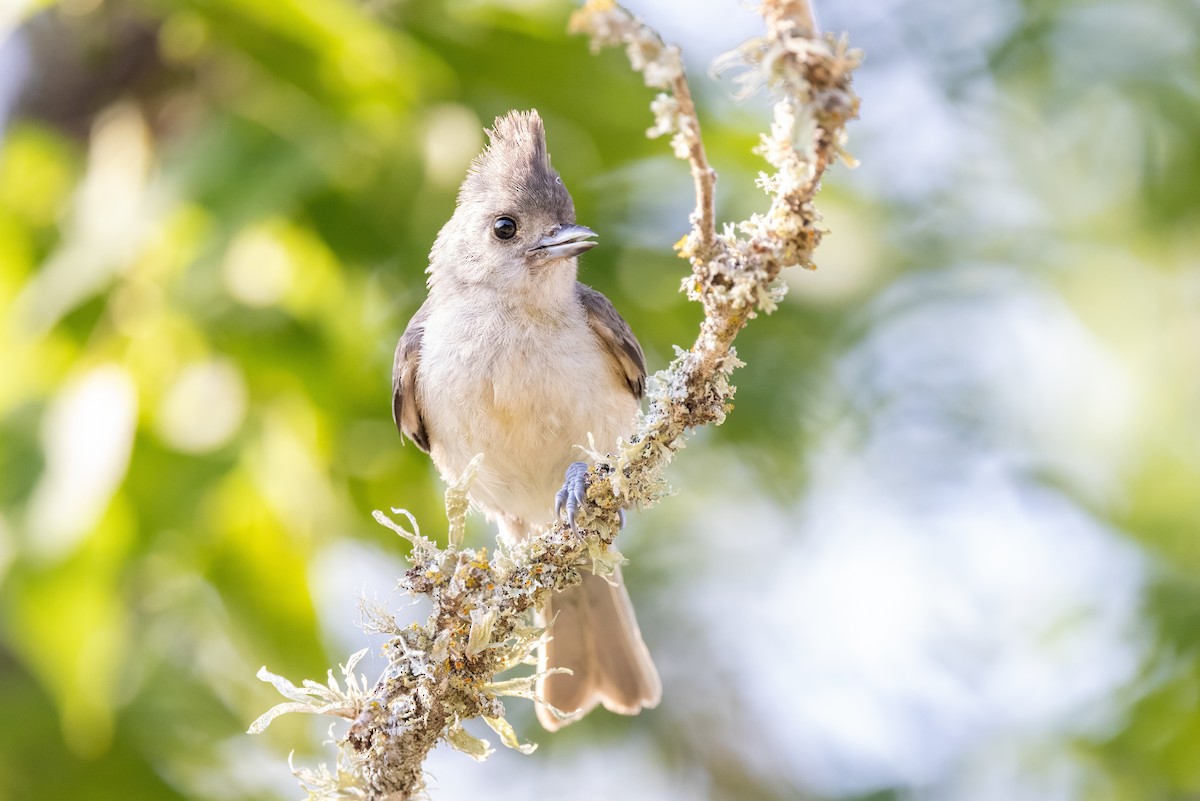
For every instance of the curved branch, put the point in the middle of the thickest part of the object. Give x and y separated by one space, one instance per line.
704 177
443 672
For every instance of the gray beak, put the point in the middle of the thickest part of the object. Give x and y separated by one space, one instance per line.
563 242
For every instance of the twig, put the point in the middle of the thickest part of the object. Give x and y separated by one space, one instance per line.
662 68
704 177
443 672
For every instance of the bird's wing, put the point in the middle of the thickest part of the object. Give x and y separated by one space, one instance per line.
406 407
616 336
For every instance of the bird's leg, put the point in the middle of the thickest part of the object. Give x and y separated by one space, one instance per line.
573 495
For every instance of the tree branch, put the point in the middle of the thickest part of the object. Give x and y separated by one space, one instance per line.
703 176
444 672
662 67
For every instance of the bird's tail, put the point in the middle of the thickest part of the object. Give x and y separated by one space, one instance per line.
595 635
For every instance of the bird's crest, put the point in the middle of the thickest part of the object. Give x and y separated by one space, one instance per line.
516 163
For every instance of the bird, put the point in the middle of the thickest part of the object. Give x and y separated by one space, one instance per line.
511 357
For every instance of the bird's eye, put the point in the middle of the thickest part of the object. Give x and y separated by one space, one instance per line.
504 228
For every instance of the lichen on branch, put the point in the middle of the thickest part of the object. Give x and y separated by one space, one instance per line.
444 672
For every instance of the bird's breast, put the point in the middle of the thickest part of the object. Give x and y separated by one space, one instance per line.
524 392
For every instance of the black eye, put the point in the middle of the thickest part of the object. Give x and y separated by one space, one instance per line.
504 228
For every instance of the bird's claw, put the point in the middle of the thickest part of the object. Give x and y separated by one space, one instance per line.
573 494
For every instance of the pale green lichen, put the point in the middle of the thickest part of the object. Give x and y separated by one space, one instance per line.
419 543
316 699
607 24
508 736
460 739
344 783
458 503
480 636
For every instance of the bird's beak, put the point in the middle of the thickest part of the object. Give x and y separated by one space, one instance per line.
563 242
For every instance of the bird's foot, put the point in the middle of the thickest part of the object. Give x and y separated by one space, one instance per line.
573 495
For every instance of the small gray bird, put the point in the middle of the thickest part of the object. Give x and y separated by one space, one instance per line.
512 358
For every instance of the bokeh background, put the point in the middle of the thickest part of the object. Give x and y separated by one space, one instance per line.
946 546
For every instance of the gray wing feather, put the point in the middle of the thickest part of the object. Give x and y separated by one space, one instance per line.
406 407
617 337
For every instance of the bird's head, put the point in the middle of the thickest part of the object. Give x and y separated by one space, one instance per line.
514 226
